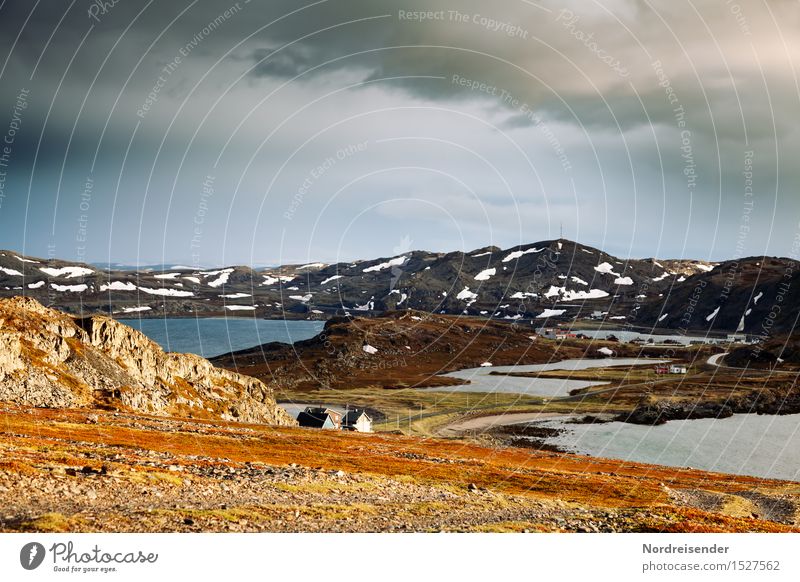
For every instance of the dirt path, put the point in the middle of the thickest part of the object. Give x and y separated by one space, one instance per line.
714 360
482 423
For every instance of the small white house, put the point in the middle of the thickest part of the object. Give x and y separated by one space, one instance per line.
357 420
554 333
677 369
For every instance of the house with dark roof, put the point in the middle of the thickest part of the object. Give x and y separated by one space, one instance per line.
320 417
357 420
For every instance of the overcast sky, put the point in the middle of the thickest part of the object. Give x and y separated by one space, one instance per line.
269 132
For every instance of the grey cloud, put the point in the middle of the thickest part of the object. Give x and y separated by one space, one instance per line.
554 69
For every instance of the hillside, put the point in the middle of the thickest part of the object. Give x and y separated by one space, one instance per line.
783 349
549 277
557 280
750 295
406 349
49 359
62 471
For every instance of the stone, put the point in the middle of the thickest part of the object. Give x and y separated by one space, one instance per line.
49 359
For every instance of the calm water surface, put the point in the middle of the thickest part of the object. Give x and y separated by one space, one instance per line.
481 379
744 444
209 337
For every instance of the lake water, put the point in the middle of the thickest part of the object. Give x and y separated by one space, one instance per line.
744 444
626 336
482 380
209 337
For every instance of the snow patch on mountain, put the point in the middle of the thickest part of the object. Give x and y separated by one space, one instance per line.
395 262
166 292
570 295
523 295
551 313
485 275
70 288
606 269
222 277
136 309
518 254
118 286
466 295
68 272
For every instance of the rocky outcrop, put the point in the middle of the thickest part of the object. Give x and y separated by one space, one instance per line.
768 400
661 412
49 359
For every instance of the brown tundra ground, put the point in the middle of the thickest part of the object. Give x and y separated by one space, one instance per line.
78 470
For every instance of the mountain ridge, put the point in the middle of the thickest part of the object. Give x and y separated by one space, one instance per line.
558 280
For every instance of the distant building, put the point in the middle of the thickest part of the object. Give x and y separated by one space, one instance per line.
554 333
737 338
357 420
662 369
677 369
319 417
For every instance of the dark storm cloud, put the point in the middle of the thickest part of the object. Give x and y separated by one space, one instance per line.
287 63
590 75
